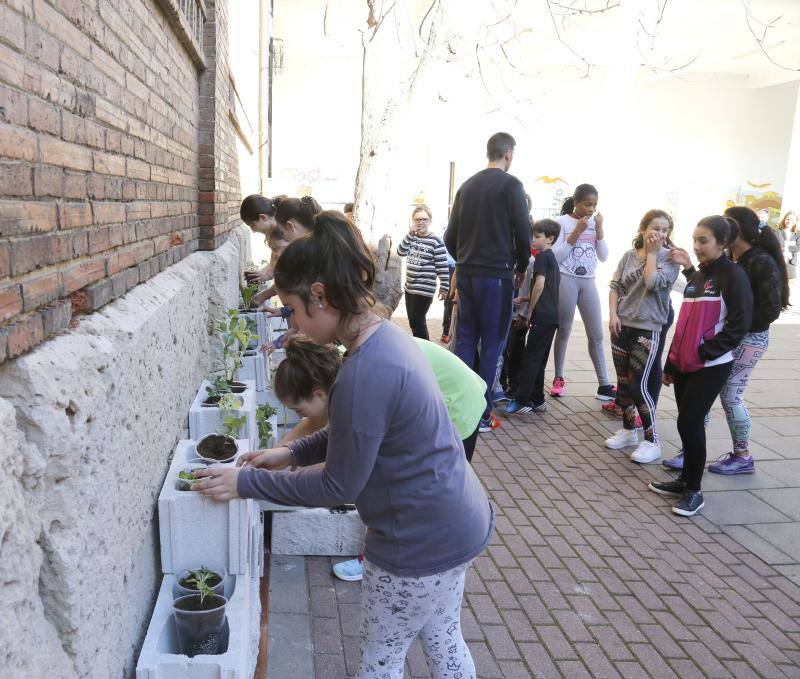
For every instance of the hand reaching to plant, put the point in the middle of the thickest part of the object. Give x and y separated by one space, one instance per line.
218 483
268 309
274 458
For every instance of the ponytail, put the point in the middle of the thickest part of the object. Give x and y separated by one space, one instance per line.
334 254
568 206
747 230
581 193
302 210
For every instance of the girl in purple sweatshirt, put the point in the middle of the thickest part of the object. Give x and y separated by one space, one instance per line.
390 447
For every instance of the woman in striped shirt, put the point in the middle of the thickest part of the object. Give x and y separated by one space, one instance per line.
427 259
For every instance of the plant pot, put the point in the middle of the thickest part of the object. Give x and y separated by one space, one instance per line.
199 626
181 589
237 387
217 448
186 484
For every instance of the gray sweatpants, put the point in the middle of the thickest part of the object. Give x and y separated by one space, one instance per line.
395 610
581 292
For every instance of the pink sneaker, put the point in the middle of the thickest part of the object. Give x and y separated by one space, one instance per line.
558 387
612 408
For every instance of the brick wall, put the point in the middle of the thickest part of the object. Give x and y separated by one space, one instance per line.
117 157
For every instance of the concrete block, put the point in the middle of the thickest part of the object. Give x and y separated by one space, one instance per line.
262 326
160 657
317 532
194 529
207 419
277 325
254 369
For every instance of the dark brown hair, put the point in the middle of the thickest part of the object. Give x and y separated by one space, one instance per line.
498 144
307 367
649 216
746 228
334 254
255 205
302 210
549 227
719 226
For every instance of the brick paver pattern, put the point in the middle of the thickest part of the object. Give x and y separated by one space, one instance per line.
589 574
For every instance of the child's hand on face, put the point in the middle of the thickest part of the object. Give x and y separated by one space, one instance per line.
219 483
653 243
598 225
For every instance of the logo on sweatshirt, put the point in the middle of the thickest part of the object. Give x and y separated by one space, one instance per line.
709 288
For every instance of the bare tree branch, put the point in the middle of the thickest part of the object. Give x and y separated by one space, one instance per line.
371 21
564 42
425 18
571 10
750 18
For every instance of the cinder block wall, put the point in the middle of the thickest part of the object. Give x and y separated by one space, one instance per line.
113 165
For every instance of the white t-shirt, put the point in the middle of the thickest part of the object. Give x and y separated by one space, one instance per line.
579 259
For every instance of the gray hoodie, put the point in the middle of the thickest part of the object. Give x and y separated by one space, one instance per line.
644 303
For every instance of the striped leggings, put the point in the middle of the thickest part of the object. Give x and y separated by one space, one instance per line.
635 354
745 357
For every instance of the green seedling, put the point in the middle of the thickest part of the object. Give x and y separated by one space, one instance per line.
263 413
232 420
200 579
248 292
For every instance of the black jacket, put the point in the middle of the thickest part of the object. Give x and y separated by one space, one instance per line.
489 233
765 280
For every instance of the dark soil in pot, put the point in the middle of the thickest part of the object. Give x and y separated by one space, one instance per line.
237 387
217 447
211 402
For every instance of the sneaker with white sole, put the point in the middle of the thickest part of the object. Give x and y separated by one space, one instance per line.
608 392
558 387
690 503
675 462
540 408
349 571
646 452
623 438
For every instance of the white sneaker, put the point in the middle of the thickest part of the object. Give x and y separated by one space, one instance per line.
623 438
646 452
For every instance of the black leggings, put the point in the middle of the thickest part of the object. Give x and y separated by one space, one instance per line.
635 353
469 444
695 393
417 308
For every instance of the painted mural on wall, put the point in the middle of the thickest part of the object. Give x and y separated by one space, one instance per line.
761 198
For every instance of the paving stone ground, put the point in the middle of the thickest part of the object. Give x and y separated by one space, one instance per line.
590 574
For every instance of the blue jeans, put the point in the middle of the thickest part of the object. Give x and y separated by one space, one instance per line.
484 315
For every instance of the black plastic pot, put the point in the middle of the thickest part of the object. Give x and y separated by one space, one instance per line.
199 626
237 387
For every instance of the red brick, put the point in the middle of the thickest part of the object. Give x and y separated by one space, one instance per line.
109 163
28 254
75 185
80 275
25 334
26 216
43 117
10 301
12 67
42 47
79 243
14 108
73 128
73 215
16 143
64 154
108 213
99 240
138 169
5 259
41 290
15 179
48 181
50 87
56 317
65 32
95 135
13 27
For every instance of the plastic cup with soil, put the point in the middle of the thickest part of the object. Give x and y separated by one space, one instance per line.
199 622
186 479
237 387
186 581
217 448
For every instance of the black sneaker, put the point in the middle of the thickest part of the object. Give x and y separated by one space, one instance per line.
607 392
674 488
690 503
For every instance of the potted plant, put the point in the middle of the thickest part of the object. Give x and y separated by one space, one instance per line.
190 581
217 448
199 621
186 479
263 414
248 292
236 336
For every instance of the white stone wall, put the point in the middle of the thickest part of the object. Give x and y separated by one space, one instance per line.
88 422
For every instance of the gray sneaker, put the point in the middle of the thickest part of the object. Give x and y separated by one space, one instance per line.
690 503
675 462
673 488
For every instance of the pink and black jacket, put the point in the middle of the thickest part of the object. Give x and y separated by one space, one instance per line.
716 314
